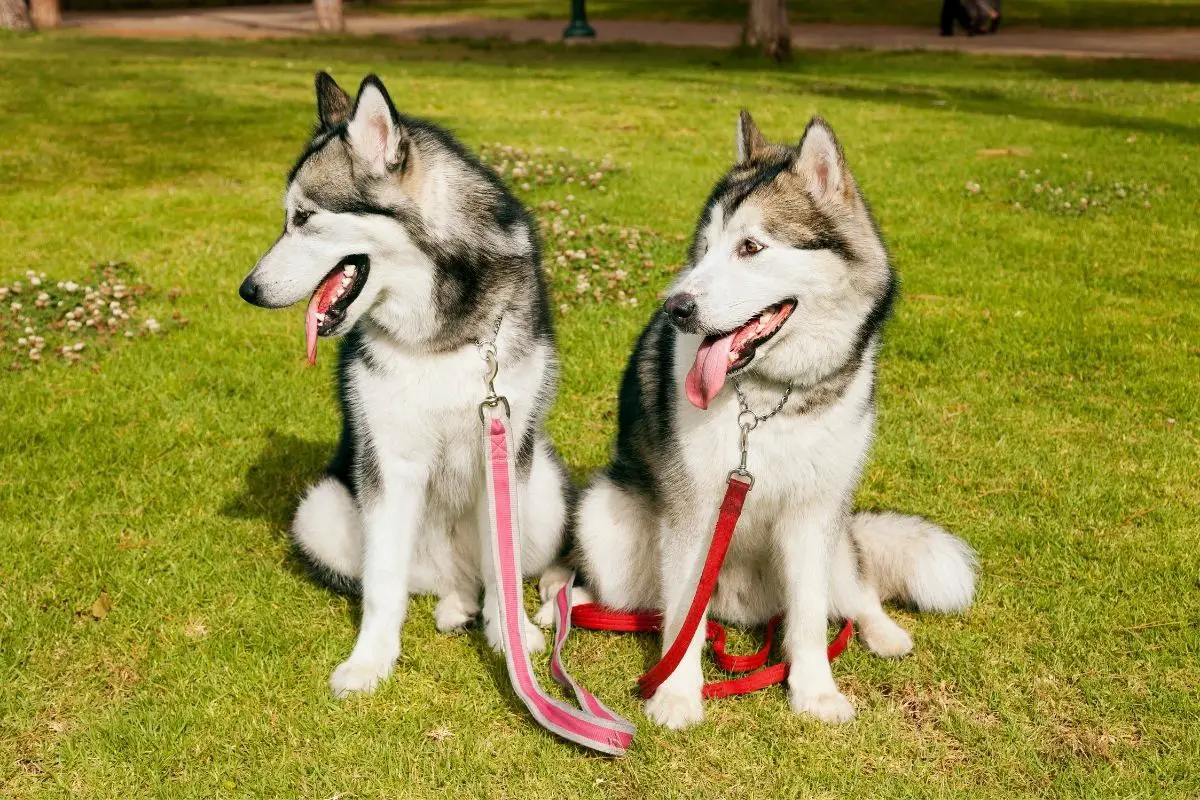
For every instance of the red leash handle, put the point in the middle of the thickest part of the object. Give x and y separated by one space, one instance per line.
727 518
595 617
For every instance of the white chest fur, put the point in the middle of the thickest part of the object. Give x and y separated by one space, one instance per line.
799 461
420 410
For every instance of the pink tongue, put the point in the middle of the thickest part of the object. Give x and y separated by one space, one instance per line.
322 299
707 375
310 327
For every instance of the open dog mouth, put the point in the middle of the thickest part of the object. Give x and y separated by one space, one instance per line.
725 353
333 296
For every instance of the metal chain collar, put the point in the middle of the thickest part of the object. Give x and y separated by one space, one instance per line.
748 420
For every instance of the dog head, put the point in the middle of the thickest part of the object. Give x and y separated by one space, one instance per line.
384 215
788 275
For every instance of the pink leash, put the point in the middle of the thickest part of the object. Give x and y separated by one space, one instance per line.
593 725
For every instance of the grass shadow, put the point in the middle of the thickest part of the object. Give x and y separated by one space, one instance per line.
996 104
848 75
272 485
271 490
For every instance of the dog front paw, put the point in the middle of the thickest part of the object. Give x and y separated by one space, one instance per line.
453 612
354 676
675 710
534 638
544 617
829 706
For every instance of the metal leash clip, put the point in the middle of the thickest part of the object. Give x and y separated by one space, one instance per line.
487 351
747 421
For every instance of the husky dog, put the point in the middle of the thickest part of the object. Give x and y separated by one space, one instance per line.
408 247
787 288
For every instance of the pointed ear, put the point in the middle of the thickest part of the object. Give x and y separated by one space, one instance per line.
333 104
749 140
374 132
821 162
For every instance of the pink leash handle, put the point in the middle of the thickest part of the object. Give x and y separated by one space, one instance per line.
593 726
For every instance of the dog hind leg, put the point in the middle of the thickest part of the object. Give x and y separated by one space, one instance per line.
851 598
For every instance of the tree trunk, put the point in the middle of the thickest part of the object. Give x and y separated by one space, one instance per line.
45 13
13 16
329 15
767 28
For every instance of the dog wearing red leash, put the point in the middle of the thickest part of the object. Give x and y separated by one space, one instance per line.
759 369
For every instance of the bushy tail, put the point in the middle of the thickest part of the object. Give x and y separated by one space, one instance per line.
914 561
328 536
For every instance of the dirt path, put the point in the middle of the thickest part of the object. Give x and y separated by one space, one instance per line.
299 20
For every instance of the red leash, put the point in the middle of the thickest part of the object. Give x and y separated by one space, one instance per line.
595 617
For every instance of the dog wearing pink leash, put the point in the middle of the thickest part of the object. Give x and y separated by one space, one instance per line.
761 363
422 261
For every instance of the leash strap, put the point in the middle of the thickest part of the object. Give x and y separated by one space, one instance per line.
594 726
727 518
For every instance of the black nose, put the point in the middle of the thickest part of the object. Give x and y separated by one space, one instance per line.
249 291
681 307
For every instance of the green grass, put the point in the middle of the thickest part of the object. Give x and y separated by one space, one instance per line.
1038 395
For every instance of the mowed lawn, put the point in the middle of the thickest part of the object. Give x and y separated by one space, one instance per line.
1038 395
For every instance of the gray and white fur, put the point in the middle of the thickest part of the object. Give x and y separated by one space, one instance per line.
420 252
785 228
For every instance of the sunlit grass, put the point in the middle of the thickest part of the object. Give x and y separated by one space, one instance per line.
1038 396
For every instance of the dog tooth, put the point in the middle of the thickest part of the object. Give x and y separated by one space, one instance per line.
350 269
345 280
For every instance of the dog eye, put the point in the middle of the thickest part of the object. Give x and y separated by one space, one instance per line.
300 217
749 247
